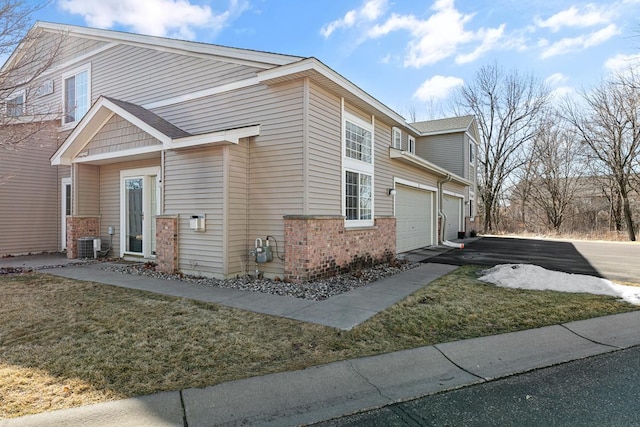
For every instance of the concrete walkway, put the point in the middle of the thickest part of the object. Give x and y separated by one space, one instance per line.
343 311
328 391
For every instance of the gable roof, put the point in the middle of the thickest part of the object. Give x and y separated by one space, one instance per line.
449 125
255 58
150 118
169 136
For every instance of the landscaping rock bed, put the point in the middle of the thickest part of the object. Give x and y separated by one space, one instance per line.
316 290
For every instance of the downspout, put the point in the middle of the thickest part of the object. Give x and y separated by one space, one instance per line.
442 215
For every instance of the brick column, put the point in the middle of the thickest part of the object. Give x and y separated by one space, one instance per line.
167 243
321 246
80 226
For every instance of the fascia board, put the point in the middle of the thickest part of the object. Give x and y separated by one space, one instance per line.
231 136
313 64
257 58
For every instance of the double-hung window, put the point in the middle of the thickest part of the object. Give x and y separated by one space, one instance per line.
357 171
396 134
76 94
15 104
472 153
411 144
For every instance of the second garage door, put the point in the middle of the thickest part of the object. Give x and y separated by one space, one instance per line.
452 207
414 214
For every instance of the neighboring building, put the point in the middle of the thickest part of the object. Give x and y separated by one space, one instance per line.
192 154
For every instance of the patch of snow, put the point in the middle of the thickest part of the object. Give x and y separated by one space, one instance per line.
533 277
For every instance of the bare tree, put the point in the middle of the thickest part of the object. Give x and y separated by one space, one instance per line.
608 122
556 173
25 109
507 107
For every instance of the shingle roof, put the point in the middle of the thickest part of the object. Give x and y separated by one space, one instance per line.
443 125
150 118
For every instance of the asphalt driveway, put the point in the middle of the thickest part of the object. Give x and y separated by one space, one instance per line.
612 260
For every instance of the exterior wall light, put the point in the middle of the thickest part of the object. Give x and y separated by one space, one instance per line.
391 192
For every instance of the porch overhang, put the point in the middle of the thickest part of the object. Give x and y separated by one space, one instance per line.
413 160
169 136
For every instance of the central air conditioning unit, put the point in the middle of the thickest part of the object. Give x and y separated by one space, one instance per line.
89 247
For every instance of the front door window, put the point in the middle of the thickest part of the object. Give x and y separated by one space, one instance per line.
134 214
139 206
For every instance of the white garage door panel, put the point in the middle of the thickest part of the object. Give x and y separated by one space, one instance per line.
452 208
413 218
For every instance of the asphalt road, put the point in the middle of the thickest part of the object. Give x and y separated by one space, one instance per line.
612 260
598 391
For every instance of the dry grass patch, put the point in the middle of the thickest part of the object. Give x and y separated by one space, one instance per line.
65 343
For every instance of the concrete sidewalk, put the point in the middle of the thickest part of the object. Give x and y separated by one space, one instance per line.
328 391
343 311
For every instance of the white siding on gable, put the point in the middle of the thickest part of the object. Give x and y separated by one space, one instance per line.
117 135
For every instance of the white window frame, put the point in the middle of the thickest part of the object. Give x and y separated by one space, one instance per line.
13 96
357 166
411 144
144 174
396 138
73 73
472 153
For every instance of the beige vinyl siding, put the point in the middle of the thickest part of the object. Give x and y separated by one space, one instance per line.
276 181
148 75
324 153
87 190
276 174
29 220
110 197
236 211
194 185
117 135
446 151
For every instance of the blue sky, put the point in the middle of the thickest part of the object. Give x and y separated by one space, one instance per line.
408 54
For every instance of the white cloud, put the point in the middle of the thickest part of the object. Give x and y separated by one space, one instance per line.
440 36
369 12
556 79
176 18
621 63
490 39
437 87
573 44
589 16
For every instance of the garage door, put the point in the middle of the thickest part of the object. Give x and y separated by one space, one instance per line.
452 208
414 213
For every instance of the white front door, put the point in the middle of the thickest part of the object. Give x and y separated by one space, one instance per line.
139 205
65 205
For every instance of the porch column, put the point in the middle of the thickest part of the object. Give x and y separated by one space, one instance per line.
167 243
80 226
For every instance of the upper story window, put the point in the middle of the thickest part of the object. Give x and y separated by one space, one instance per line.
396 134
357 142
15 104
472 153
76 94
412 145
358 177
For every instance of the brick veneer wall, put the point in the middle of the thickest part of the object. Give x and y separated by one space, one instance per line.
167 243
80 226
321 246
